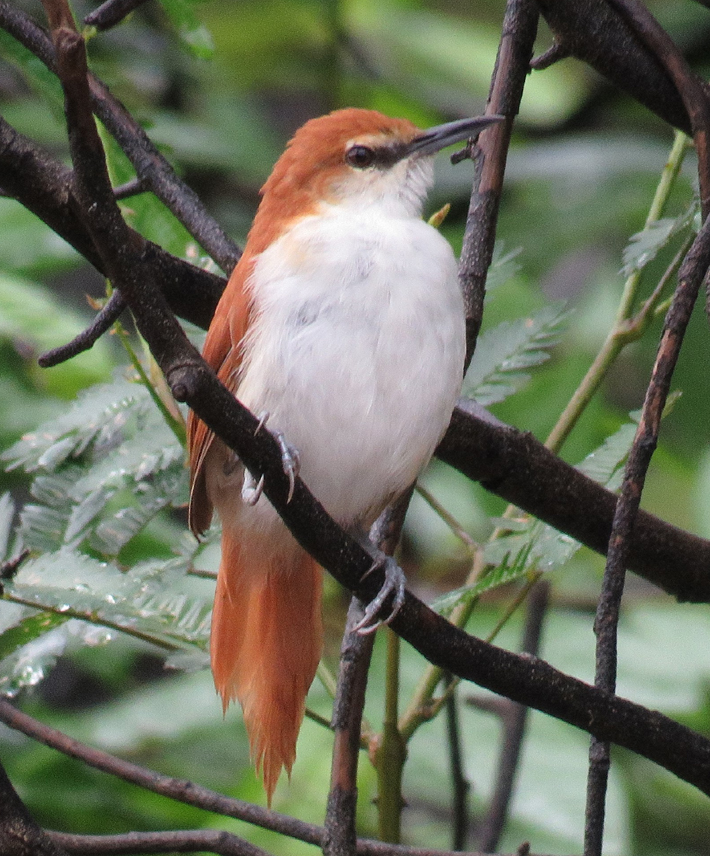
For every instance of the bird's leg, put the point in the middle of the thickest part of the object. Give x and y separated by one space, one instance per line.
290 459
394 586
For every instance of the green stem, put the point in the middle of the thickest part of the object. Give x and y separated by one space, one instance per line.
391 753
175 425
94 618
625 329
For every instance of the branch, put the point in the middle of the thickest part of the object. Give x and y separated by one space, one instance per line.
512 64
19 834
690 276
340 817
518 468
102 322
177 841
594 32
111 12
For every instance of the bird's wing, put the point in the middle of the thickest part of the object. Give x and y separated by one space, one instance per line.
223 352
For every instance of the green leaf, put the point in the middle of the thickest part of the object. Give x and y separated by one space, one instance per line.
97 417
194 35
503 353
7 515
154 601
645 245
26 630
505 572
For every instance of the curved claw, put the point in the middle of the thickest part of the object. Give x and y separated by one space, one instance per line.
251 490
394 584
290 461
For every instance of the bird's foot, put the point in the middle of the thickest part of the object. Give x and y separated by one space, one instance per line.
290 459
393 586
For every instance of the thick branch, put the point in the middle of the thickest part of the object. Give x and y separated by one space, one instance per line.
596 33
518 468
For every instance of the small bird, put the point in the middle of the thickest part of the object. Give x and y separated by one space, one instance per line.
343 325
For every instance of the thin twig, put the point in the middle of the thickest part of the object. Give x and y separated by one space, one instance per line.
488 835
103 321
130 188
174 841
691 275
512 64
111 12
461 785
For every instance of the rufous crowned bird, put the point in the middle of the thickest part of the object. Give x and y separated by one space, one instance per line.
343 325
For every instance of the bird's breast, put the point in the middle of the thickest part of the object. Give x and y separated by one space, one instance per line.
356 351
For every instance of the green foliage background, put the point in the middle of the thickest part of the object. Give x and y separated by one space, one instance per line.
220 86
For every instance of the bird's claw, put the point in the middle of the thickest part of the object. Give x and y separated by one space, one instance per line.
263 418
290 461
394 585
251 489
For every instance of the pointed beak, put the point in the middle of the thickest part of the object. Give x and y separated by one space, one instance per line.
441 136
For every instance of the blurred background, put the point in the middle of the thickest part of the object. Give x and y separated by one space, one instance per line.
220 87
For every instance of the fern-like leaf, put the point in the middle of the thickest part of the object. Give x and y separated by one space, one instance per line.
505 352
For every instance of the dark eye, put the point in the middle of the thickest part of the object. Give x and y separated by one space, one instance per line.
360 157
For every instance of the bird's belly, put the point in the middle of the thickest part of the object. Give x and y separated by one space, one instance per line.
362 383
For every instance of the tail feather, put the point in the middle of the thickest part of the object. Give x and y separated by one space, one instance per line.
266 643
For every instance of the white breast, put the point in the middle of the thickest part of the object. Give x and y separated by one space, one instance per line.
356 352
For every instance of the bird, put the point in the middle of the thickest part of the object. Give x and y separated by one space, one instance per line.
341 326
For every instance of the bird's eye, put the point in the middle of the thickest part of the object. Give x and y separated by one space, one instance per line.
360 157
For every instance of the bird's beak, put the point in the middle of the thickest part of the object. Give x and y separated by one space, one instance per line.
429 142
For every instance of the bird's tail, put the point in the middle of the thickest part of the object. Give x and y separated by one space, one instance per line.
266 643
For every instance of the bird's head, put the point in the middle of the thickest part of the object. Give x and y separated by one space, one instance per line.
358 157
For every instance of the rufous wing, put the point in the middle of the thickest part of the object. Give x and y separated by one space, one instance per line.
223 352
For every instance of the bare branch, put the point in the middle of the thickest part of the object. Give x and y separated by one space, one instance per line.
188 792
103 321
593 31
178 841
111 12
514 52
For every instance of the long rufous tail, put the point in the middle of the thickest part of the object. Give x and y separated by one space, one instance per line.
266 643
